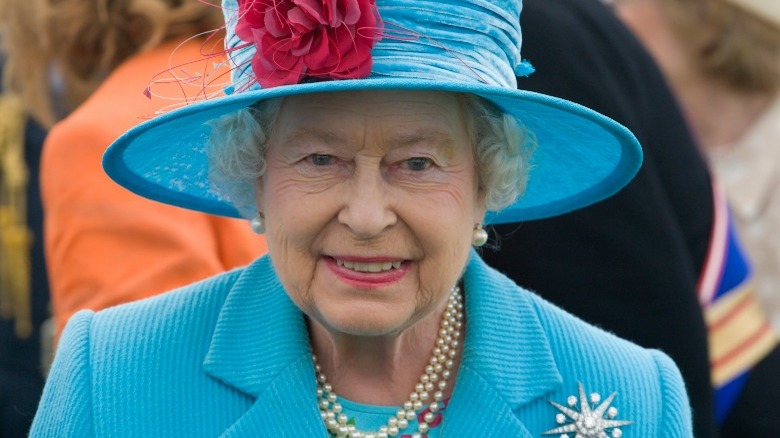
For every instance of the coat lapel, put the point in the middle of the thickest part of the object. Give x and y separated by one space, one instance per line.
260 347
287 407
507 361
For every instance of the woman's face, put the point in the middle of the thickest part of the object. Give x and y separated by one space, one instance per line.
370 199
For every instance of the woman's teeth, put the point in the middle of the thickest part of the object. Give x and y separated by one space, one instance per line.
369 266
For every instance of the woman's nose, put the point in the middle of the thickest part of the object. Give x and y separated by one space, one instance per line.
367 208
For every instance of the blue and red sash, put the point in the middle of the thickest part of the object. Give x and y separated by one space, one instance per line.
739 332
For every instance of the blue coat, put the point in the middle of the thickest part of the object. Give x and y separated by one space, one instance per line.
230 356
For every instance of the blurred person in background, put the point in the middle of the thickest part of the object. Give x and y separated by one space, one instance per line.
105 245
722 59
635 258
24 293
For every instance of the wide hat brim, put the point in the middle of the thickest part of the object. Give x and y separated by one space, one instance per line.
582 156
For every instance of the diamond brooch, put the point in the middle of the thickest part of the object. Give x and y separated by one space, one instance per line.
589 421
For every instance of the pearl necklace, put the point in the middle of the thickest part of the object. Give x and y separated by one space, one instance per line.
435 377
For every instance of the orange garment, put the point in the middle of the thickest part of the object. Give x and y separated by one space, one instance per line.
105 245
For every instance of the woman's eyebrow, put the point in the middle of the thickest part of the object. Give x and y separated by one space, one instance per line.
399 138
434 137
325 135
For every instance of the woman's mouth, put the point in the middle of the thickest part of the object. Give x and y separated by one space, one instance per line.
369 266
368 273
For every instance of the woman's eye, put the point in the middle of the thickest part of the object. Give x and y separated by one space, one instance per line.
321 159
419 163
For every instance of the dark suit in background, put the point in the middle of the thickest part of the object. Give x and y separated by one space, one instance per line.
629 264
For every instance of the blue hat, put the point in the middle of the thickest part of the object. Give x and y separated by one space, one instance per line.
464 46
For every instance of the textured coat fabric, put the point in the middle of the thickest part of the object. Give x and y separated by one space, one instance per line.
230 357
104 244
632 260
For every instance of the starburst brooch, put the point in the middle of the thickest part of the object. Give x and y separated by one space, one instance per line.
589 422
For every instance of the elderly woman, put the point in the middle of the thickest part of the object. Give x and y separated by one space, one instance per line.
369 142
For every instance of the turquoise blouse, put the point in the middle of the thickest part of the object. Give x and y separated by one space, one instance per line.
371 418
230 357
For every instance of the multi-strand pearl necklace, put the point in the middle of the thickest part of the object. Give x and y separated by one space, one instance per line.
434 380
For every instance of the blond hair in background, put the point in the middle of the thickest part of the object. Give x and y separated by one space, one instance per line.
86 39
730 44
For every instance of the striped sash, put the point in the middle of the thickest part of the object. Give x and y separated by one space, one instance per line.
739 332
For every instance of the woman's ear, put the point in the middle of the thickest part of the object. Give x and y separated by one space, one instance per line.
480 207
259 194
257 223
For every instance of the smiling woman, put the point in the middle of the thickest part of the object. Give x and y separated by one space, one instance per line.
354 169
372 315
366 205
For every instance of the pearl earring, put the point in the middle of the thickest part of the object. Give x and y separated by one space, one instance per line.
480 236
257 224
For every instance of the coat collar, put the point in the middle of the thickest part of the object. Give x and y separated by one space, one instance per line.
260 346
507 360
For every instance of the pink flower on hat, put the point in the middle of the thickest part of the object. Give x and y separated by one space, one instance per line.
296 39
